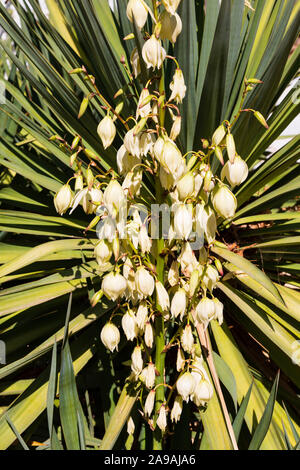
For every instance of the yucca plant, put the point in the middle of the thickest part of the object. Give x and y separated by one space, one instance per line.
64 74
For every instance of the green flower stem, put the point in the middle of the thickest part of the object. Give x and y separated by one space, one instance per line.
159 333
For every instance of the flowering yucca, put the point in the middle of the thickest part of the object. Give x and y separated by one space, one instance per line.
156 242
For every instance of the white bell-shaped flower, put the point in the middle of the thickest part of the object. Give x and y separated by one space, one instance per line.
144 106
183 220
142 315
186 186
224 202
173 274
205 310
135 62
171 5
144 282
136 11
149 403
137 361
162 296
63 199
153 53
162 418
176 409
236 172
132 143
171 26
114 197
149 335
179 303
178 87
110 336
187 259
125 160
180 360
129 325
185 385
113 285
187 339
102 252
107 131
148 375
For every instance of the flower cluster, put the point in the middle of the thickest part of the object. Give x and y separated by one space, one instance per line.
131 251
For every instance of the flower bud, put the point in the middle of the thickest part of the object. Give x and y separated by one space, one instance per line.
113 285
137 12
149 336
186 186
230 145
149 403
153 53
171 26
129 325
173 274
162 418
137 361
177 409
96 298
224 202
63 199
235 172
261 119
178 304
142 315
218 135
110 336
162 296
187 339
102 252
171 5
177 87
135 62
106 131
185 385
183 220
144 282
